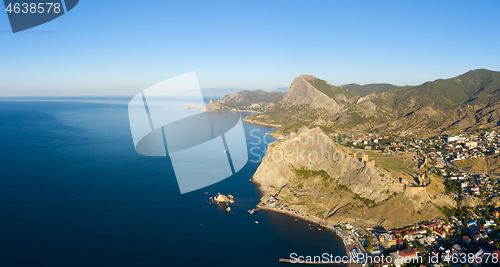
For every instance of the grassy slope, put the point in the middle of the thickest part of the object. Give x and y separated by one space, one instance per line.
476 86
494 164
397 164
369 88
250 97
476 165
330 90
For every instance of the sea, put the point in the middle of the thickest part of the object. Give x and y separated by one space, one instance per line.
74 192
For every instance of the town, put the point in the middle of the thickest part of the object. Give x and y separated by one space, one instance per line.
467 235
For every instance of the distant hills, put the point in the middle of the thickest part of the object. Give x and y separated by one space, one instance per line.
282 90
220 92
468 101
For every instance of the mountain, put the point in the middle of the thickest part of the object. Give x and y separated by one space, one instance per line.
474 87
369 88
444 106
345 189
315 93
258 100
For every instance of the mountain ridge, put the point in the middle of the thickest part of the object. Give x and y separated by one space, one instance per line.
467 101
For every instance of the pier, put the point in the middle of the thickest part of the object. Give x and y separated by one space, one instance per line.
353 246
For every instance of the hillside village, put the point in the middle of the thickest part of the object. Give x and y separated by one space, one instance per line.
471 230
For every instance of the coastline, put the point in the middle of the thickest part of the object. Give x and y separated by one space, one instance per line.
348 240
339 232
262 123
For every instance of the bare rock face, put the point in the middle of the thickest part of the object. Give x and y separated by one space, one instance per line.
495 202
312 149
192 106
370 182
470 201
215 105
351 190
303 93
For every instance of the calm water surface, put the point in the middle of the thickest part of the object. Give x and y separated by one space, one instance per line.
73 192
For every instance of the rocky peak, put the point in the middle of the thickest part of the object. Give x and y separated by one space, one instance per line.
303 92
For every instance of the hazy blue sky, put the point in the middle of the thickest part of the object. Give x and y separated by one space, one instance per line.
121 47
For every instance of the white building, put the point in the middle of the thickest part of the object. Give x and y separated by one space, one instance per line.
455 138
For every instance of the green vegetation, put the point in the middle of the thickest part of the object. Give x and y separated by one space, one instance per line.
369 88
304 173
431 107
390 162
330 90
244 99
458 213
293 118
395 194
451 186
367 202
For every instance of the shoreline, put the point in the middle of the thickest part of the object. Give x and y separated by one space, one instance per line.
349 242
335 229
262 123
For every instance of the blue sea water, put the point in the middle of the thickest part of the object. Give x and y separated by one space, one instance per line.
74 192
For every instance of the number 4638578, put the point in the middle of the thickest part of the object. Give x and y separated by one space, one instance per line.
33 8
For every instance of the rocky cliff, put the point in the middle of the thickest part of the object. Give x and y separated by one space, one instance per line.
302 92
309 173
465 102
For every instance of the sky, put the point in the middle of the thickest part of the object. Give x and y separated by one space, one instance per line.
122 47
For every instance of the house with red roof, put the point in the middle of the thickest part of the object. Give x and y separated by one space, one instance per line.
399 242
434 225
408 253
496 214
440 233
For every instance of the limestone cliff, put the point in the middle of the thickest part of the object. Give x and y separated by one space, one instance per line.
302 92
216 105
308 173
312 149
